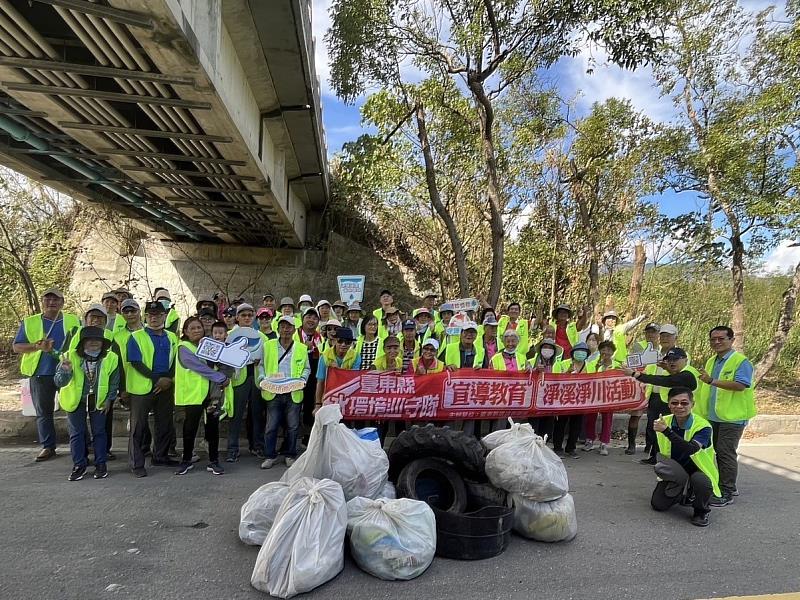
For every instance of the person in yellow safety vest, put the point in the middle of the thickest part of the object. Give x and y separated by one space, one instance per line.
193 379
386 300
286 358
487 337
604 362
427 362
286 307
303 303
679 374
424 323
512 320
114 321
566 330
465 354
446 313
409 346
592 341
324 310
651 337
341 356
390 360
727 400
686 466
570 425
392 324
369 346
247 403
151 355
617 332
547 355
173 320
40 338
429 303
88 379
95 316
510 358
353 318
327 331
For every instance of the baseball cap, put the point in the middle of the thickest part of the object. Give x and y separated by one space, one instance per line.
409 324
652 325
287 319
431 342
243 307
305 298
311 310
96 307
610 313
230 311
286 301
267 295
207 312
446 307
130 303
579 346
469 325
108 296
162 293
154 307
263 311
490 320
344 334
385 292
675 354
53 292
670 329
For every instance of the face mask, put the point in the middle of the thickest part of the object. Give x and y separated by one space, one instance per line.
91 354
547 353
165 303
580 355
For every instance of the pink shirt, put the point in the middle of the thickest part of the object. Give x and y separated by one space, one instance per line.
511 361
491 348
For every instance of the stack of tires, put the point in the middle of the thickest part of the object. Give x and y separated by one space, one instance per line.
520 463
447 470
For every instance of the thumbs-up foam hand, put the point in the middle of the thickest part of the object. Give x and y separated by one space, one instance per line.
235 354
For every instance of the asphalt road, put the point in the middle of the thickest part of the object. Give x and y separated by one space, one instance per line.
176 537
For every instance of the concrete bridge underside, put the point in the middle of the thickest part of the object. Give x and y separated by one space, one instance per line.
199 119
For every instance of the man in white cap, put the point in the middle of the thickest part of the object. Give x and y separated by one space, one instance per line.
284 357
40 339
95 316
132 314
173 321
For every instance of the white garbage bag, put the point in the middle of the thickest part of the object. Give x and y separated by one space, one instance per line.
391 539
258 513
517 431
305 547
528 467
545 521
335 452
389 491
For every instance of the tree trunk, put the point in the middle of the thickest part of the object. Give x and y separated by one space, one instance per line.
594 285
439 207
639 263
486 113
785 324
737 274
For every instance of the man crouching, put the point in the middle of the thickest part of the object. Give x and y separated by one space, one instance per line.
686 465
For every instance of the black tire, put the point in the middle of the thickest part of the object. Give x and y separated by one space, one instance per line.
484 494
435 482
462 450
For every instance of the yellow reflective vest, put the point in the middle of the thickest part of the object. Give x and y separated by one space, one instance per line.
190 388
299 360
135 382
730 406
70 396
498 362
452 355
34 331
705 459
522 330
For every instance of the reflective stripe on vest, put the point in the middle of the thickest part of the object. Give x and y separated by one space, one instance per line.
498 362
730 406
299 358
452 355
34 331
70 396
136 383
190 388
704 459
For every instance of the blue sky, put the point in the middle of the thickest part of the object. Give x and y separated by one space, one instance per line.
343 122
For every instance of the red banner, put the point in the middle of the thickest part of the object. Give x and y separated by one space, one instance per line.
477 394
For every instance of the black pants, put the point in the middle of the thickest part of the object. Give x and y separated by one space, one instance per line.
655 410
162 406
726 438
109 425
669 493
543 426
572 425
309 395
191 423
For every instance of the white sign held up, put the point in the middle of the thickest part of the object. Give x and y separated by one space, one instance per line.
351 288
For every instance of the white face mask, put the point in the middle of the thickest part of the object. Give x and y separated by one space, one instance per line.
547 353
91 354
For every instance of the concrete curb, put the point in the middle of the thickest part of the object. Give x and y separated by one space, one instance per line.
17 429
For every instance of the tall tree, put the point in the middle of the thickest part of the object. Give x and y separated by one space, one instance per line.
487 45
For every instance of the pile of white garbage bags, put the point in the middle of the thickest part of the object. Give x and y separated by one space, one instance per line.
520 463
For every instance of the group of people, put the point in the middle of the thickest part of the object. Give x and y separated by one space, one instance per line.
144 357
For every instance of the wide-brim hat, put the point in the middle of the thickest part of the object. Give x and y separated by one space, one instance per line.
93 333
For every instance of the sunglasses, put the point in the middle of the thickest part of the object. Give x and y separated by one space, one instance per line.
681 403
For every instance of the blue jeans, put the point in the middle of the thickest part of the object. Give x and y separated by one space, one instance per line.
78 438
43 394
279 408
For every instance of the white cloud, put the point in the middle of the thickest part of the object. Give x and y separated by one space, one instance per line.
782 259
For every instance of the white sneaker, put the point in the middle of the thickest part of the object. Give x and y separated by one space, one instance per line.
270 462
603 450
289 461
588 446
